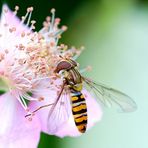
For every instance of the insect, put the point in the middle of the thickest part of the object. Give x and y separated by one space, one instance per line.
71 99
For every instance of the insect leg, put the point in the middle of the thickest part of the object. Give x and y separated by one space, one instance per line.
30 114
47 105
58 98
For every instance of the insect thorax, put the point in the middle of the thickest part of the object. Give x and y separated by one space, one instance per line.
73 80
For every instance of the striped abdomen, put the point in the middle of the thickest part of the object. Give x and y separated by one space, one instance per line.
79 110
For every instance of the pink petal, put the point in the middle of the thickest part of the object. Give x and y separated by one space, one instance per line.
69 128
15 130
43 113
11 19
49 97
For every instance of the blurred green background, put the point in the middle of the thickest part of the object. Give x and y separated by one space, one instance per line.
115 35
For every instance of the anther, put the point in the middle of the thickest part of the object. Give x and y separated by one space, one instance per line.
48 18
23 34
6 25
12 29
29 119
33 22
29 9
40 98
27 110
52 10
89 68
57 20
23 18
52 44
6 51
16 8
5 10
64 28
2 56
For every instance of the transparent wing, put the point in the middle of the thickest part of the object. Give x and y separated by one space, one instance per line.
59 112
110 97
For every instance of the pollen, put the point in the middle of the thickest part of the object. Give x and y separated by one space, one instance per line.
31 56
41 98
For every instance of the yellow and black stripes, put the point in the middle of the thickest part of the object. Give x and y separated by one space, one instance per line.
79 110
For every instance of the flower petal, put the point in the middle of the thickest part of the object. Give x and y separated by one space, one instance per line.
8 22
10 18
69 128
15 130
42 114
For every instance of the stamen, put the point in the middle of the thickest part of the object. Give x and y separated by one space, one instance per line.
29 12
78 52
34 57
30 9
24 105
88 68
27 97
23 101
16 10
32 24
52 19
64 28
57 34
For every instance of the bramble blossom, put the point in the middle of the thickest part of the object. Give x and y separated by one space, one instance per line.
27 63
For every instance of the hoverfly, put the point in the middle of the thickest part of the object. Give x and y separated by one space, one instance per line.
71 99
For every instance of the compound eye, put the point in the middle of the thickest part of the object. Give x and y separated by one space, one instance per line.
63 65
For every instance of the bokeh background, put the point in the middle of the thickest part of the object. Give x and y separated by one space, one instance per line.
115 36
